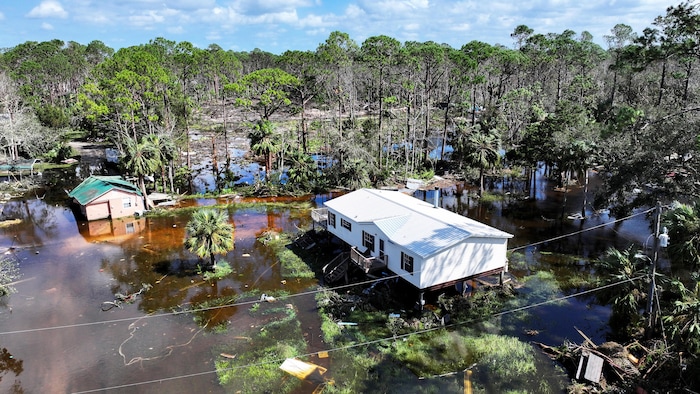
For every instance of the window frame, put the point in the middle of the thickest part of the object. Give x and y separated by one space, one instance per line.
407 262
126 202
366 242
331 219
345 224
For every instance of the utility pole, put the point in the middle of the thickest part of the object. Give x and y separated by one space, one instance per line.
651 311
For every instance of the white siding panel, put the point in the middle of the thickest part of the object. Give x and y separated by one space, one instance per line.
469 258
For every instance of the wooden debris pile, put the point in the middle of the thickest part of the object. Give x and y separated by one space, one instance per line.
604 366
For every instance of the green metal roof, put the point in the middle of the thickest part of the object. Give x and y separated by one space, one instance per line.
95 186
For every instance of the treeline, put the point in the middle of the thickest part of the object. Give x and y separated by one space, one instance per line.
554 98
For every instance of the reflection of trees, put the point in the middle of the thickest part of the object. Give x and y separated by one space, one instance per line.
39 219
10 364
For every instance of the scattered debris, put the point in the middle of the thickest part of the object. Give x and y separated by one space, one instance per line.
267 298
304 370
120 299
604 366
9 222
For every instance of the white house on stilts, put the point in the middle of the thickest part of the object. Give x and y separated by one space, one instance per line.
428 246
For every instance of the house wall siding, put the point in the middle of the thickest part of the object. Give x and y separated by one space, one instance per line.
111 204
470 257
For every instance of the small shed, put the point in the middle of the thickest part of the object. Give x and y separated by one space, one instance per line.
428 246
101 197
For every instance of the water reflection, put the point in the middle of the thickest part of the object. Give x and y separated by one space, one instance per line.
71 267
10 364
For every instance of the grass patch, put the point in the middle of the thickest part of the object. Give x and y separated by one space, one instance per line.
232 206
255 368
292 265
501 363
488 198
221 270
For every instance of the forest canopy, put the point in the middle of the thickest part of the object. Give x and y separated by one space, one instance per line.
383 109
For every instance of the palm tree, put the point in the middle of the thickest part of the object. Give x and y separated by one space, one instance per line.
209 233
302 170
164 152
142 159
263 142
482 152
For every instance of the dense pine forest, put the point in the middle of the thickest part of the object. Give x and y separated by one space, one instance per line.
377 109
381 111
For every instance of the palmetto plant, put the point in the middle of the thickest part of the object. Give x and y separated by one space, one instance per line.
683 321
209 233
683 223
625 267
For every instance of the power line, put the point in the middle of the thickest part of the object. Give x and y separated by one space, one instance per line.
243 303
365 343
332 289
174 313
580 231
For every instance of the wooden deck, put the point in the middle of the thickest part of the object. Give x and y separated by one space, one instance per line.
367 264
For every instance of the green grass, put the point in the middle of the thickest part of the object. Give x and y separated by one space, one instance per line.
292 265
255 368
487 197
222 270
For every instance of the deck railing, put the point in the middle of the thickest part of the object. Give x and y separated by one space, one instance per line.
320 216
367 264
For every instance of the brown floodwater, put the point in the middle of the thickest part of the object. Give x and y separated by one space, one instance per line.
56 325
57 335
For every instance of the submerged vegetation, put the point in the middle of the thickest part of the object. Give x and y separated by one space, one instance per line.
275 337
344 117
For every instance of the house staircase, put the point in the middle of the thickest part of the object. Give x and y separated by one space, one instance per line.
337 268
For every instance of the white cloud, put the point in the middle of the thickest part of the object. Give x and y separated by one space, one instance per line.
2 16
314 21
175 29
48 9
259 7
147 19
461 27
354 11
47 26
396 7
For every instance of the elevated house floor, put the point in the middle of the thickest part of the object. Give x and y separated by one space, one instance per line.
427 246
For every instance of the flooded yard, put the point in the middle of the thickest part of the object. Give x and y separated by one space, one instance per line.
61 332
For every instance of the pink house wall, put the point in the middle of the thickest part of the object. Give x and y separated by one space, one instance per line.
111 204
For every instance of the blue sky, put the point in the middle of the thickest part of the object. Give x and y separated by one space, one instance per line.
278 25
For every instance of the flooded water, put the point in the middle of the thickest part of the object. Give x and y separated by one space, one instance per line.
55 324
57 336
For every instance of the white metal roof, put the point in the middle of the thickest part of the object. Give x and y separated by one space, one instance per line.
417 225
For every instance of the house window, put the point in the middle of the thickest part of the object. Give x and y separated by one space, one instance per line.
130 229
331 219
345 224
368 241
407 263
126 202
